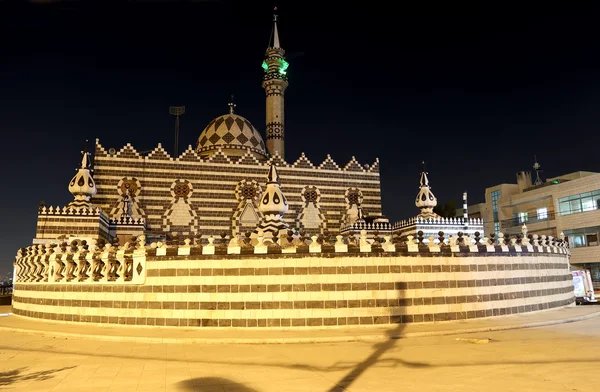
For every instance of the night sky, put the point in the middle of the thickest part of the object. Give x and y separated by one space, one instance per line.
475 91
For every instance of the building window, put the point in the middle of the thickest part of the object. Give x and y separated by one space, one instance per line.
523 217
495 198
587 236
542 213
576 241
588 201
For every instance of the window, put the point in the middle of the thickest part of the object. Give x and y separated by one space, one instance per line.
542 213
587 236
523 217
495 197
576 241
588 201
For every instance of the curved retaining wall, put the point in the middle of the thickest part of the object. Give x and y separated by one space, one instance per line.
314 290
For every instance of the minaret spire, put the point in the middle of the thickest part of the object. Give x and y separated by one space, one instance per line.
275 32
275 82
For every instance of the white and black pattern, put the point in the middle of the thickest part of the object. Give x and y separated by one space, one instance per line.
231 131
215 179
271 224
354 200
274 130
247 215
274 87
181 215
311 219
129 190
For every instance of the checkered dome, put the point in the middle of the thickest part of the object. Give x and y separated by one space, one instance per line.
231 131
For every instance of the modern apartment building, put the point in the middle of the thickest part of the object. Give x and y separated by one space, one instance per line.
568 204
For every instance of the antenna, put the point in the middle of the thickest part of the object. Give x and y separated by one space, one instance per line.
176 111
538 169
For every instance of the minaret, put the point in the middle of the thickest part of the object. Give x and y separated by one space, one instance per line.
275 83
426 201
82 186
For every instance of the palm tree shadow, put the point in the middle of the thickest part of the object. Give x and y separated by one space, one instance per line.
19 375
380 348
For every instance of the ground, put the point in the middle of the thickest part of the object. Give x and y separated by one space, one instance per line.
559 357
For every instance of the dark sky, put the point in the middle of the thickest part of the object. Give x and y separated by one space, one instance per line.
474 90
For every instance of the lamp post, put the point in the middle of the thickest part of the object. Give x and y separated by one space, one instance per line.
176 111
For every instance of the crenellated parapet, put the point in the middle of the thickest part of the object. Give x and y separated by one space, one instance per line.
438 221
128 153
81 261
191 194
84 221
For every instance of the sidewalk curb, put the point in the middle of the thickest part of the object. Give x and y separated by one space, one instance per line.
324 339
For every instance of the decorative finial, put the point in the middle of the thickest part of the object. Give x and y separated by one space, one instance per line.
82 186
273 205
231 104
425 198
424 179
272 176
275 32
85 162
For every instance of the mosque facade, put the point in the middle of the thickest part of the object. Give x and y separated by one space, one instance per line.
215 187
350 267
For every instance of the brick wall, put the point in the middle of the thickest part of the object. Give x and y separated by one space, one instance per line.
212 202
309 290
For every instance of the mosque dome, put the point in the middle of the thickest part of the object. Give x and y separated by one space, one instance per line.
233 134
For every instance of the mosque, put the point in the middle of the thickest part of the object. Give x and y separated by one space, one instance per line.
216 187
266 242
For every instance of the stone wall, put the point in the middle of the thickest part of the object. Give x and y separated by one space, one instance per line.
318 289
193 195
72 222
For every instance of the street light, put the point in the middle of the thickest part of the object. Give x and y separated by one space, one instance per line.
176 111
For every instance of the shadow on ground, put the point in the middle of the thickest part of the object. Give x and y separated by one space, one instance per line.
20 375
207 384
355 369
380 349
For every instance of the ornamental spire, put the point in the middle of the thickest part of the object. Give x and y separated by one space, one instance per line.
425 198
273 205
274 41
424 179
82 186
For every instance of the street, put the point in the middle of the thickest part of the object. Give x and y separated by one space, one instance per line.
553 358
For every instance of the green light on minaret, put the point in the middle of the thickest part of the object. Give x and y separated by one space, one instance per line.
265 66
284 67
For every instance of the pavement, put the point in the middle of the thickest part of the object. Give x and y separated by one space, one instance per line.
550 351
179 335
558 357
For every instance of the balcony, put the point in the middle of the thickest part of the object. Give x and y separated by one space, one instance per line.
514 225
